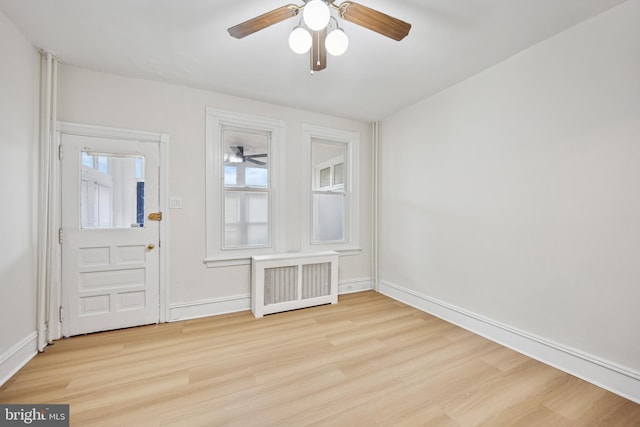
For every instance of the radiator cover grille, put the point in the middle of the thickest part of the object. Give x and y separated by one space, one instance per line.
280 284
294 280
316 280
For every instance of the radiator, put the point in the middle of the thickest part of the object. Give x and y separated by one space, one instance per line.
294 280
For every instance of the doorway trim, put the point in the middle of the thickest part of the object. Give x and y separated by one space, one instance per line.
70 128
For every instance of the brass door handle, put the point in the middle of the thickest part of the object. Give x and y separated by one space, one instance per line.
151 246
155 216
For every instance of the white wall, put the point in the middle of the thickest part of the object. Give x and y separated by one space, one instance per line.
514 196
19 74
108 100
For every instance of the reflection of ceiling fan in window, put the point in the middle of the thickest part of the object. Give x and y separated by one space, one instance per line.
239 156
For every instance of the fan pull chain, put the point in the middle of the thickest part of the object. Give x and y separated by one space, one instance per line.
318 45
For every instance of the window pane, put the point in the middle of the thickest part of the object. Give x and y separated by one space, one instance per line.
139 169
246 219
327 160
328 217
87 160
230 175
103 164
248 153
246 167
325 178
256 177
111 196
338 174
329 209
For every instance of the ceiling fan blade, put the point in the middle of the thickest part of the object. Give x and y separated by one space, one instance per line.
253 156
263 21
257 162
373 20
318 50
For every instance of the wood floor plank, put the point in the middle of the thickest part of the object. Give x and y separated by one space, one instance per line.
367 361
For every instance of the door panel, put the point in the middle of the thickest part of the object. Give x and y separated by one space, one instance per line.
110 249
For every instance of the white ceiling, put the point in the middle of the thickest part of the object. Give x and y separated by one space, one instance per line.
186 42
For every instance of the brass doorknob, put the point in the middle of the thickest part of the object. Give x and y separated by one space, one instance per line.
151 246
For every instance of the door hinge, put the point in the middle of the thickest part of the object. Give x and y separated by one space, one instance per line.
60 235
155 216
60 152
60 314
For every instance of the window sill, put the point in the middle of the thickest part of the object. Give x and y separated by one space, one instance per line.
348 252
343 250
226 262
232 262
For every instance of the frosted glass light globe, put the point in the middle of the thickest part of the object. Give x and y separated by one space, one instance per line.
316 15
337 42
300 40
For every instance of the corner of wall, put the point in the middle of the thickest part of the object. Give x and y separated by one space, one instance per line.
616 379
17 356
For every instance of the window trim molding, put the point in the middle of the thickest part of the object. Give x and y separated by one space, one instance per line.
351 245
216 119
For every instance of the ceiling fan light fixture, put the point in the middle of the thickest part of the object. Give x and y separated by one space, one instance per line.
300 40
316 15
337 42
316 34
230 158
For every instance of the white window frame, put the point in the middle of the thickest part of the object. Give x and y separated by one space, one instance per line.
351 140
216 120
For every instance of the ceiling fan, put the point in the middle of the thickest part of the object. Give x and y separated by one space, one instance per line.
239 156
316 16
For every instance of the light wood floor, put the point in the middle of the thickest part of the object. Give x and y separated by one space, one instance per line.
367 361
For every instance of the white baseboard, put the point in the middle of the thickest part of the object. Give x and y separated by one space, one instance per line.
17 356
235 303
354 285
209 307
607 375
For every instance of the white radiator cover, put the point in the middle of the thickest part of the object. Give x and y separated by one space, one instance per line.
282 282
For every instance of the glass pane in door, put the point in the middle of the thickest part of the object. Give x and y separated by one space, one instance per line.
112 191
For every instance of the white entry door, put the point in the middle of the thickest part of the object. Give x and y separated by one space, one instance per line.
110 246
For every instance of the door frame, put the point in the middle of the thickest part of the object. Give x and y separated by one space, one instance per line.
69 128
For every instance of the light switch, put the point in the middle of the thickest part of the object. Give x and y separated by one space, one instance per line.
175 203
